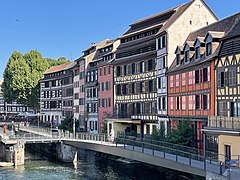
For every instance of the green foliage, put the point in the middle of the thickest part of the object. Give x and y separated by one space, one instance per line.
22 75
183 135
67 124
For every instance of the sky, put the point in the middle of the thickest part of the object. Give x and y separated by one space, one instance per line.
64 28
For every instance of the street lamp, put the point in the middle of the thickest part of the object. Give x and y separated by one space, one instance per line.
38 119
74 109
51 122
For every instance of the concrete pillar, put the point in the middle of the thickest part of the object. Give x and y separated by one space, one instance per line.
19 153
66 153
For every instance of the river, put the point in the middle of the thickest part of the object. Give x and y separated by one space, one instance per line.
90 166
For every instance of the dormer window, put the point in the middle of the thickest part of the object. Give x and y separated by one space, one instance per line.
208 48
197 52
186 56
178 59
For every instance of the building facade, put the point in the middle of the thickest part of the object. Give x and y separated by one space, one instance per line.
183 20
91 88
106 83
222 133
191 78
56 94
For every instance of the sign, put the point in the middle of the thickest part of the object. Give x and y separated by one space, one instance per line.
232 162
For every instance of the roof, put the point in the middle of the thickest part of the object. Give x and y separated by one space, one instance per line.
61 67
235 31
217 30
155 20
179 11
223 25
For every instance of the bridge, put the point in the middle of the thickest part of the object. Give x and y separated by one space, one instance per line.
139 150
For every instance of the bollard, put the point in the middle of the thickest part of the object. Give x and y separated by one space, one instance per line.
221 168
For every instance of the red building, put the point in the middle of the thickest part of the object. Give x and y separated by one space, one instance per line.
191 78
106 83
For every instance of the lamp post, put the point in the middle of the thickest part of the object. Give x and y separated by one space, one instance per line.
51 122
74 109
38 119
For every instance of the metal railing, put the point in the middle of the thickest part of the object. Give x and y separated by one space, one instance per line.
224 122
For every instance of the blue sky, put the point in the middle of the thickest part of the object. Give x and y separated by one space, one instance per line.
63 28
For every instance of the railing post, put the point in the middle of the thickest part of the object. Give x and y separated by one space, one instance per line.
124 143
190 160
142 147
164 153
221 168
205 165
133 145
153 150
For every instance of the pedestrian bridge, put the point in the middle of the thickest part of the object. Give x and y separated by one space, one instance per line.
139 150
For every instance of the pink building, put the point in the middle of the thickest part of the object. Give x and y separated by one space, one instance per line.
105 94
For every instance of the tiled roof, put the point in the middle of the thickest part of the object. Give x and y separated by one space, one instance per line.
235 31
179 11
61 67
223 25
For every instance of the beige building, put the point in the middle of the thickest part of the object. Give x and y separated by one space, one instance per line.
185 19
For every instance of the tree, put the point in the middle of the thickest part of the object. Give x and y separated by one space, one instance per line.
22 75
67 124
183 135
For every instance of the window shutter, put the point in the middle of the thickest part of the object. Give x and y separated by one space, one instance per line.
201 75
154 85
194 102
234 79
138 87
129 69
129 88
138 67
146 66
219 79
226 78
146 86
193 77
190 102
209 73
208 101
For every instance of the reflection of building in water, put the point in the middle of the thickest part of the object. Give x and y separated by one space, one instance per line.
13 108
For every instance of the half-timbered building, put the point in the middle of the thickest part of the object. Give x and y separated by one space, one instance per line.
223 129
191 78
183 20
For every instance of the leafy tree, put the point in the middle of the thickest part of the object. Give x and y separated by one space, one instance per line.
183 135
22 75
67 124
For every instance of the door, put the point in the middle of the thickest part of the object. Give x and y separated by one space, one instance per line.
227 152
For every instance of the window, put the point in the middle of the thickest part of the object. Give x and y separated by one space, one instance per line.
100 71
46 84
162 62
197 102
208 48
133 68
221 79
141 66
197 78
171 81
183 102
142 87
150 86
186 56
104 70
119 71
205 101
183 79
53 83
109 102
163 103
177 80
178 59
197 53
162 42
125 70
205 74
118 90
222 110
133 88
178 103
150 65
171 103
124 89
232 77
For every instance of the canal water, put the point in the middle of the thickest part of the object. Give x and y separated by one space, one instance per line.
90 166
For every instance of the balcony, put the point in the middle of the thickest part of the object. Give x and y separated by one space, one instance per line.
220 122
